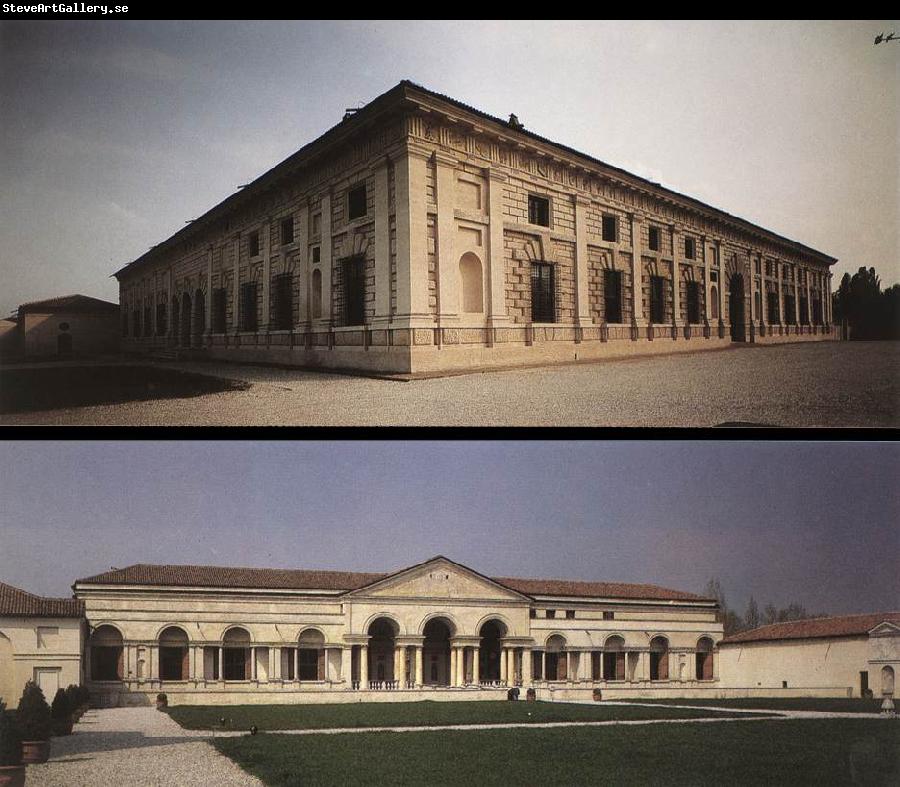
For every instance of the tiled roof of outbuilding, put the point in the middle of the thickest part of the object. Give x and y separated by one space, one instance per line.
815 628
292 579
15 602
69 304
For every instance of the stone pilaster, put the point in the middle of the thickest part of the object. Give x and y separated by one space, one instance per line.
419 667
267 272
236 293
364 667
324 321
582 293
447 271
412 239
496 307
303 315
207 329
637 277
382 246
676 278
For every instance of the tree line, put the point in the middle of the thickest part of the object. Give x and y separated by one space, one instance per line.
870 312
754 617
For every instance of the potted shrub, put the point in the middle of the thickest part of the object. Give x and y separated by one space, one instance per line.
12 772
162 701
84 697
33 716
61 713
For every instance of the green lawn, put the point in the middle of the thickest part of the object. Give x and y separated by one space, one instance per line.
409 714
790 751
832 704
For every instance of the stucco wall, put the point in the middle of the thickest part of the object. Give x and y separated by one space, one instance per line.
92 334
31 644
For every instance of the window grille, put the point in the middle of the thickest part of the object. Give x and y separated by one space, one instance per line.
772 308
657 299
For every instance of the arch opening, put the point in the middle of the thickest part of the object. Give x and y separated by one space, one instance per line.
311 655
659 658
236 654
436 652
704 659
490 649
382 644
555 658
471 284
107 654
614 658
173 654
736 307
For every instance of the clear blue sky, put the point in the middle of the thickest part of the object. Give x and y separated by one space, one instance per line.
812 522
115 133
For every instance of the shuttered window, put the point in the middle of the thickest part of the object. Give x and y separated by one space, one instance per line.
657 299
248 307
282 302
542 292
354 284
612 295
693 302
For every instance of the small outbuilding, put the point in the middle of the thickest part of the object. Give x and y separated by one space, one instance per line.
66 327
41 639
846 656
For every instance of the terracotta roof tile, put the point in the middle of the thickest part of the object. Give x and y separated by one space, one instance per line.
814 628
292 579
15 602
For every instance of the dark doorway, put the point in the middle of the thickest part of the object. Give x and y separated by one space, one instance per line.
64 345
736 308
490 650
436 652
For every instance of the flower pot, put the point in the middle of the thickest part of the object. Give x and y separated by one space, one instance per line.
34 752
598 695
12 775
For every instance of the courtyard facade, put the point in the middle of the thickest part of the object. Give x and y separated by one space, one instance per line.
421 234
437 630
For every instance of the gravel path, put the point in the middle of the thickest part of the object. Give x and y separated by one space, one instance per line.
795 385
135 746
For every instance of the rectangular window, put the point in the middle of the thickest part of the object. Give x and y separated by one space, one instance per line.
570 614
236 663
689 248
609 615
693 302
282 302
532 613
653 233
354 275
785 271
218 310
248 307
756 267
287 230
316 225
253 244
356 202
789 309
610 230
612 295
538 210
657 299
543 307
148 328
551 613
47 636
161 319
804 311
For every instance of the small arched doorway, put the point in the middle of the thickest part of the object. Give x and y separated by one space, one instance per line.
107 654
736 308
614 658
173 654
436 652
490 650
555 658
64 345
382 642
184 332
659 658
236 654
704 658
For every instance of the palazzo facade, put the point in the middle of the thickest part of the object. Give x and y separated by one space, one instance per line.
437 630
420 234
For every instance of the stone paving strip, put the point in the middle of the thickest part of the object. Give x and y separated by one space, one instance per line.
135 746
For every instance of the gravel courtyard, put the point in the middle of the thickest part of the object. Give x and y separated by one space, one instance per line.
135 746
794 385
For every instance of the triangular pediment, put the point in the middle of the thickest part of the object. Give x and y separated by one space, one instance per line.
438 578
885 629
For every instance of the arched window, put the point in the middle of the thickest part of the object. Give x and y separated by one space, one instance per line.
236 655
555 659
659 658
311 658
614 658
704 658
173 654
714 302
316 294
107 654
471 284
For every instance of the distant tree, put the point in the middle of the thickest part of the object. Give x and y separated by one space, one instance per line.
730 620
870 313
770 614
752 618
